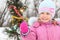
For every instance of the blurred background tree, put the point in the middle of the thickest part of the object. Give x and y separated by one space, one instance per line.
13 18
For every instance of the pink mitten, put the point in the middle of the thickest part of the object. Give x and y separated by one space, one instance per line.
24 27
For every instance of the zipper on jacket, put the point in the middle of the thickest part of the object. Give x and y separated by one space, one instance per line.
47 32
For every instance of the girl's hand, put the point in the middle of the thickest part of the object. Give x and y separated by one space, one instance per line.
24 27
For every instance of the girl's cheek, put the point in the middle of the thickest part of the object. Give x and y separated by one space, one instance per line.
49 17
40 17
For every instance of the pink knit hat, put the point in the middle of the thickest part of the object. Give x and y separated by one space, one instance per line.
47 6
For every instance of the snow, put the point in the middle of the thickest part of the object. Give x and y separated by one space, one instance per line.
3 35
2 4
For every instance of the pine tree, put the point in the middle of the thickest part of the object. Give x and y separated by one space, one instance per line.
16 8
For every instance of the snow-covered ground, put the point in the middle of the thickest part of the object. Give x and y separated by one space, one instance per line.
3 35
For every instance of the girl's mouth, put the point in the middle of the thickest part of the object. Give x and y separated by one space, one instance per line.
44 18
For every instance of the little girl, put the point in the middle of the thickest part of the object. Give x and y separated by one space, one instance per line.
44 28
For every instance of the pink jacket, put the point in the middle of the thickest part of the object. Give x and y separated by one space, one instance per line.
43 31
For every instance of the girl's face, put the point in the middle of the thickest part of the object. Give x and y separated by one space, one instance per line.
45 17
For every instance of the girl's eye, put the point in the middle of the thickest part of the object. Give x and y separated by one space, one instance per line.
42 13
45 13
48 14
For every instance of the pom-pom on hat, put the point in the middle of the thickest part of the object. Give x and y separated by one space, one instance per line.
47 6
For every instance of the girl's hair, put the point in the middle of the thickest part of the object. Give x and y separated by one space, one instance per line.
54 22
